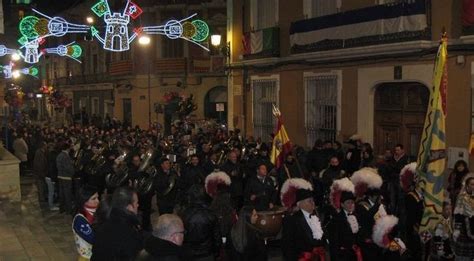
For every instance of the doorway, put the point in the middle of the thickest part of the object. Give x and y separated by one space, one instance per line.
215 104
400 110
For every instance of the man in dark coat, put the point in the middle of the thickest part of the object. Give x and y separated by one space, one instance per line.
165 186
203 238
343 231
119 238
260 190
233 168
414 205
192 174
166 240
40 168
289 169
367 211
302 233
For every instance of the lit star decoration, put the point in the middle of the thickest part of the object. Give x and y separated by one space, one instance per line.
70 50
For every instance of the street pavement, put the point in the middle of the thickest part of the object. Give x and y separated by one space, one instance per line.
29 231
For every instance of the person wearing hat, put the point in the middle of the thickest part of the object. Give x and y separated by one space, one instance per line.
302 234
353 157
414 207
87 204
367 184
165 186
343 229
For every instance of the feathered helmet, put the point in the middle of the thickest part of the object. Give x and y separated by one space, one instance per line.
382 229
290 189
366 181
341 190
408 176
216 181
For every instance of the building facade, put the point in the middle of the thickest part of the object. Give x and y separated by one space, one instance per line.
337 68
130 85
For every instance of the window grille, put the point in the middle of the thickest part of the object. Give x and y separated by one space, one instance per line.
320 108
265 94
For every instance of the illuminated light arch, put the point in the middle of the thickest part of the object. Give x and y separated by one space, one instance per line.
202 30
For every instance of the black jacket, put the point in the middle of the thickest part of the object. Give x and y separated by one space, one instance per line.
264 191
341 238
157 249
236 176
297 237
203 236
162 183
190 176
118 238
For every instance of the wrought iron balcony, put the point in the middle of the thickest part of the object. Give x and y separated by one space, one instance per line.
82 79
380 24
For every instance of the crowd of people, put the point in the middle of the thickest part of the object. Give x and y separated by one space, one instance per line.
200 193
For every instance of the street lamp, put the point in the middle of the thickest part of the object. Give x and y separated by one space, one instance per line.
16 57
216 40
90 20
16 74
145 41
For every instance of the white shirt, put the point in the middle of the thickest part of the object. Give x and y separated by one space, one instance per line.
314 224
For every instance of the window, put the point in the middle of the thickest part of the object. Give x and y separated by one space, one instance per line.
95 106
264 14
321 114
316 8
265 94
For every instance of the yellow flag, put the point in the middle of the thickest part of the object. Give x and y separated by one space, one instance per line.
432 154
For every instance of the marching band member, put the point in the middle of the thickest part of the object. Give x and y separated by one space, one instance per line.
367 183
414 205
343 229
302 235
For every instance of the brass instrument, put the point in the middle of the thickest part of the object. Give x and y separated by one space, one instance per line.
172 182
144 183
120 174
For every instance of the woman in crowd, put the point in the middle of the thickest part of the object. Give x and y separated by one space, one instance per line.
463 234
87 203
455 179
246 239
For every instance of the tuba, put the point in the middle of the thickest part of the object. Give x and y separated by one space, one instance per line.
144 183
120 175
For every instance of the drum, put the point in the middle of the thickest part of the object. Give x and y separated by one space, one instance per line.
270 222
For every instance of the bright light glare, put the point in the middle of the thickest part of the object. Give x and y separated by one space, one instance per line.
216 39
16 73
144 40
16 57
90 20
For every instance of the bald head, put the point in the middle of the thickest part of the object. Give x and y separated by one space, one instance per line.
168 227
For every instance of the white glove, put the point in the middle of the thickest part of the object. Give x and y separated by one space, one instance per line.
402 245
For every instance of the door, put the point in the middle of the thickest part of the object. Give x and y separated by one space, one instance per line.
400 110
127 111
215 104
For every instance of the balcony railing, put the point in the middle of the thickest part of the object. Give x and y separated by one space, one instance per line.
121 68
82 79
170 65
380 24
262 43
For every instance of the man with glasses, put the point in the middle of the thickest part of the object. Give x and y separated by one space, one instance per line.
166 240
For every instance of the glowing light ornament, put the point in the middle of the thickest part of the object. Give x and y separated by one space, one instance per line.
194 31
70 50
9 73
50 26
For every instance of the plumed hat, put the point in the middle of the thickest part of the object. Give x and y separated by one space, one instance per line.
382 229
408 176
366 181
289 195
341 190
215 182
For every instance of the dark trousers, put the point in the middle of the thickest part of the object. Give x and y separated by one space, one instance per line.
65 196
371 252
42 189
144 205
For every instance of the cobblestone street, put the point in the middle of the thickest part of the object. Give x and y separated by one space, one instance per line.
29 231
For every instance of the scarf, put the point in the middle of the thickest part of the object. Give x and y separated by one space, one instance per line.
89 212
